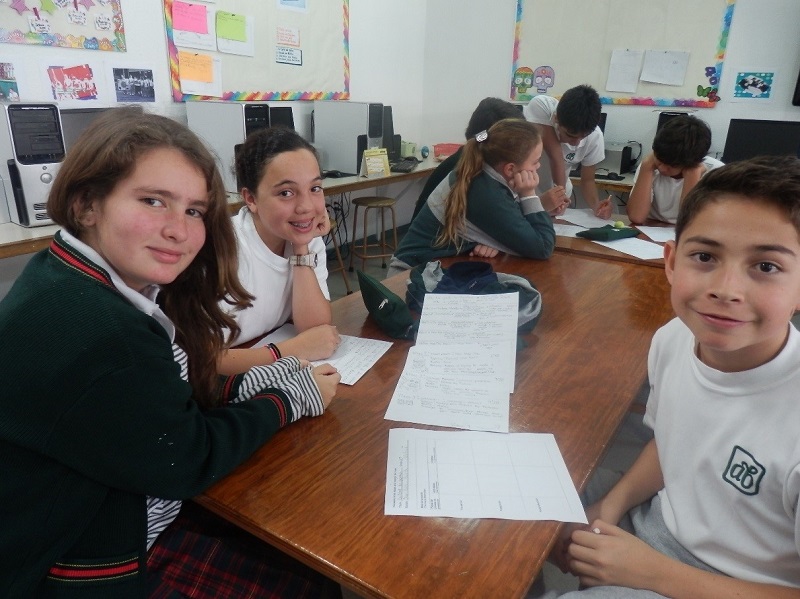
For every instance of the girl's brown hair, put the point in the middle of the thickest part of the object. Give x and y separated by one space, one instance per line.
104 155
508 140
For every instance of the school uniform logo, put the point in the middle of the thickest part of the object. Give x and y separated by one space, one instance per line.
570 156
744 472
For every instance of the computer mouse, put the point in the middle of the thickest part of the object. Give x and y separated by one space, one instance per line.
333 174
615 176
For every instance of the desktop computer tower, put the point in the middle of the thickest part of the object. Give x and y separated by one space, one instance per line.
343 130
225 125
31 148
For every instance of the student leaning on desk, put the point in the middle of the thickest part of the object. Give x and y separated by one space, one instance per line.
488 204
282 258
669 173
486 113
571 137
714 499
112 411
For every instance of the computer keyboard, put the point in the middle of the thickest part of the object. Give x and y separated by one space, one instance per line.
406 165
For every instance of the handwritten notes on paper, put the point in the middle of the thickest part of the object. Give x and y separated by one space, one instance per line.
445 385
468 474
461 370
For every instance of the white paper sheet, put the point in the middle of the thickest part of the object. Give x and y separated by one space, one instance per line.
623 71
468 474
486 319
584 217
658 234
353 358
567 230
639 248
453 385
667 67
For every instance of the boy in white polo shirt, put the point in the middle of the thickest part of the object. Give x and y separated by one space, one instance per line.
713 499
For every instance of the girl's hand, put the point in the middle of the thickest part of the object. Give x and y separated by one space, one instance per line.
484 251
327 379
524 183
323 226
316 343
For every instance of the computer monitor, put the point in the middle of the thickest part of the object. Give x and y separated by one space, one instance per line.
666 116
602 123
751 137
281 116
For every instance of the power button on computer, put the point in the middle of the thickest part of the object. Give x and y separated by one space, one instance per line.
46 177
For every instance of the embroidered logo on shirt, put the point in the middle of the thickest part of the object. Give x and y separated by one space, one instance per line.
570 157
743 471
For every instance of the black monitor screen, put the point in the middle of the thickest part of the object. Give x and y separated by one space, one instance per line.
36 133
750 137
281 116
602 123
664 117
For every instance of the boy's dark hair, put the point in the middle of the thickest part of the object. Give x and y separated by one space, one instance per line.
771 180
259 149
488 112
682 142
578 110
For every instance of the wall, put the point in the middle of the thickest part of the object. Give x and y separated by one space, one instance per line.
434 60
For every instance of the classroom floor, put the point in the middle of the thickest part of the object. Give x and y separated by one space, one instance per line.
629 441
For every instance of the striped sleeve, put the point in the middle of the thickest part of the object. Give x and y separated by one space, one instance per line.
285 375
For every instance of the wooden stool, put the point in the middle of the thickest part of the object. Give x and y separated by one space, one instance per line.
340 268
385 250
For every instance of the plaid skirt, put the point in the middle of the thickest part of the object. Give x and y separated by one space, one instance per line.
202 556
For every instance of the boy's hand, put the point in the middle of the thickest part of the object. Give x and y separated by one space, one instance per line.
606 555
604 208
649 162
553 199
327 379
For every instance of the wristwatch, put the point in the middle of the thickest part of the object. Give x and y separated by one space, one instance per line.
304 260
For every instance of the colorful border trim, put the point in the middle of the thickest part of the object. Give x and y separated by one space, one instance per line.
57 40
707 95
242 96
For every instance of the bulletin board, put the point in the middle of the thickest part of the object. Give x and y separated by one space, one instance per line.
564 43
83 24
284 50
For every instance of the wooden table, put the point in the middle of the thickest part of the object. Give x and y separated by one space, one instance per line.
16 240
316 491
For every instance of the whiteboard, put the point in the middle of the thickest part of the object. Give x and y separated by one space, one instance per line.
575 40
300 50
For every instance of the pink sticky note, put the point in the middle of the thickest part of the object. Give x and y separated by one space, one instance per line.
189 17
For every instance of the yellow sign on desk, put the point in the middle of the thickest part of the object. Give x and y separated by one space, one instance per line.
375 163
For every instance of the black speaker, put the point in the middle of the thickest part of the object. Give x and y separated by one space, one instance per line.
375 121
388 134
361 145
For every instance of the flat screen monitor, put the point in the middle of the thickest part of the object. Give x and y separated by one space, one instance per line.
602 123
664 117
751 137
281 116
